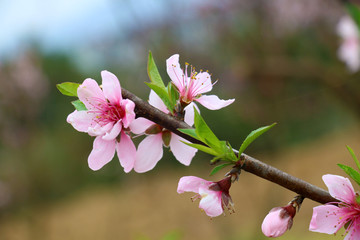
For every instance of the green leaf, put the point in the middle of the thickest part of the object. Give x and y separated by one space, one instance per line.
219 167
354 157
79 105
173 94
189 131
354 12
230 154
163 95
153 72
68 88
252 136
205 134
202 148
351 172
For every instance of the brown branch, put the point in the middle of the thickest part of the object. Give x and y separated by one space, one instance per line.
252 165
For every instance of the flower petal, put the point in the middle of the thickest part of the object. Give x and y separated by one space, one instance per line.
126 152
210 202
175 73
111 87
340 188
182 152
114 132
139 125
325 219
98 130
81 120
191 184
149 152
202 83
189 113
212 102
90 93
156 101
102 153
354 231
129 107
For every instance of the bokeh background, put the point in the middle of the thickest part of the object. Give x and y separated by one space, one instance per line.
277 58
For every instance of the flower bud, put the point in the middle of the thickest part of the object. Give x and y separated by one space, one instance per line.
278 221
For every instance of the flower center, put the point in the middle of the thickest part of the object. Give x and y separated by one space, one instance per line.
107 112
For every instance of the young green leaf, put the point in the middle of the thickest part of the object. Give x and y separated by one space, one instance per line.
252 136
351 172
158 85
173 93
354 12
202 148
68 88
79 105
190 131
153 72
354 157
219 167
163 95
205 134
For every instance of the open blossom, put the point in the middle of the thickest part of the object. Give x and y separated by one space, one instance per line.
349 51
191 87
214 196
150 150
329 218
107 118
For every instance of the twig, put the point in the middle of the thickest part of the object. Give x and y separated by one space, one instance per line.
252 165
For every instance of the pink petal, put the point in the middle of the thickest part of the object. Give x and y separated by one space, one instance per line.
126 152
212 102
354 231
340 188
202 83
98 130
139 125
114 132
325 219
156 101
90 93
191 184
129 107
149 153
111 87
210 202
102 153
174 71
81 120
182 152
189 113
346 28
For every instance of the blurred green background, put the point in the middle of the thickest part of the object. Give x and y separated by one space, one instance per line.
277 58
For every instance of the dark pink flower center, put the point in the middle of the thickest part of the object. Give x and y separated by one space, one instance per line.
107 112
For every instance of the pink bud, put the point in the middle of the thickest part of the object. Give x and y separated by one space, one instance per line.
278 221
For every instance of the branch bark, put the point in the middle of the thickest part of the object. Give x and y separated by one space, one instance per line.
252 165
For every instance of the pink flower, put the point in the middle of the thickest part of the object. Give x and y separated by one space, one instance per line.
214 195
192 87
349 51
107 118
278 221
329 218
150 150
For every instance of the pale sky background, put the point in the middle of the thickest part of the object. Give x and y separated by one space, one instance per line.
67 24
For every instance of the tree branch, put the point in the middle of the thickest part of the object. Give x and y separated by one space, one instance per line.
252 165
